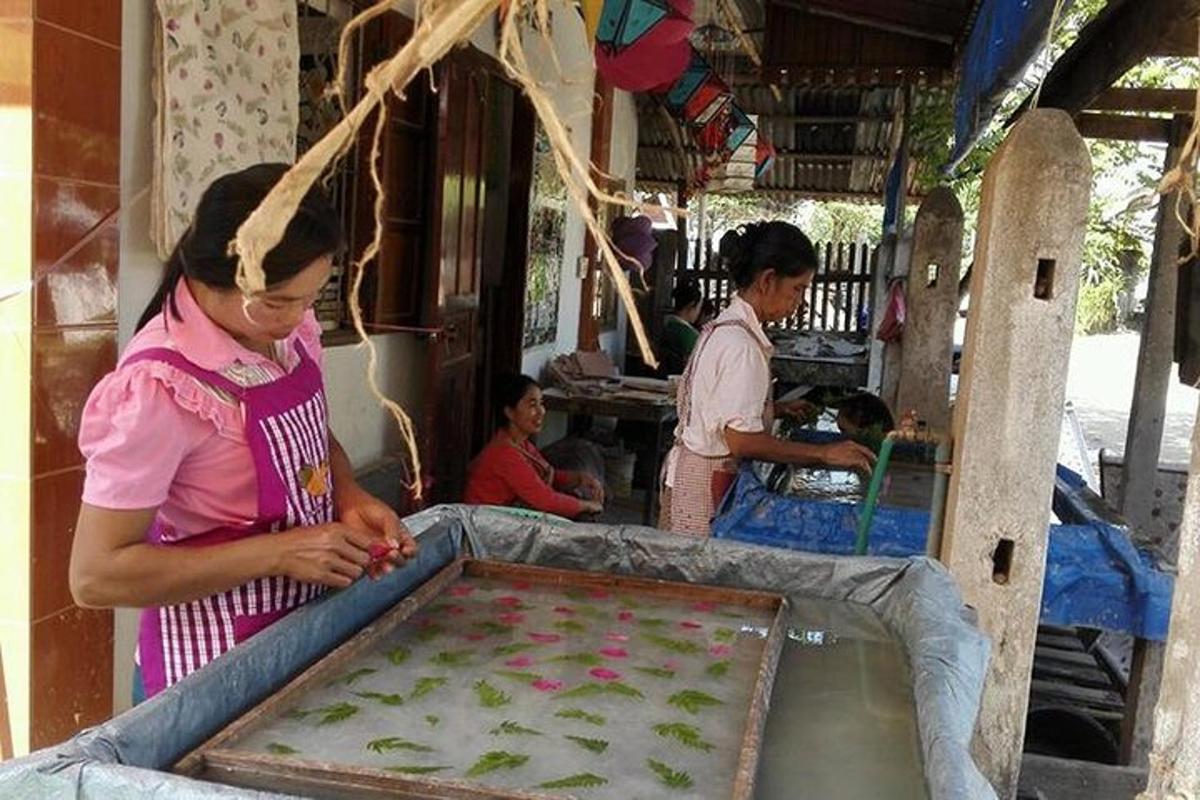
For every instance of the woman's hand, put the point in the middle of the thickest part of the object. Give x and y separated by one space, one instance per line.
366 513
848 454
591 507
591 488
333 554
800 410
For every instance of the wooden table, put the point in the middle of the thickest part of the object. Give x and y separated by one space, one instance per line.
583 408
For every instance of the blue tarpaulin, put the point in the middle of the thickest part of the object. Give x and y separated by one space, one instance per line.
1005 38
1095 577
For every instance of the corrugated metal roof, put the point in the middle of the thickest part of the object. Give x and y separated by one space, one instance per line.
830 141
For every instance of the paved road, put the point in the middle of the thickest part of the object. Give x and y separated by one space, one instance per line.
1100 385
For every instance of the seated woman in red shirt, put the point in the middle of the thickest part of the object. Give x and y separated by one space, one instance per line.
510 471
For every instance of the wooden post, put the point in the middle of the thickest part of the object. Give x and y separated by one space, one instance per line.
1175 759
932 309
1143 443
602 104
1006 422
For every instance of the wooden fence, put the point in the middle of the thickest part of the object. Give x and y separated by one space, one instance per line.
839 300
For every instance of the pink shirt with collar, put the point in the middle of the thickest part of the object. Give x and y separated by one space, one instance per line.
155 437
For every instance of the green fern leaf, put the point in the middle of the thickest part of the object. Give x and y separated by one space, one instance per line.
337 712
584 780
651 622
398 655
669 777
351 677
656 672
424 686
492 628
692 701
386 699
586 659
277 749
594 745
432 720
583 716
510 728
396 743
717 669
511 649
490 696
571 626
516 675
687 735
452 658
494 760
725 635
682 646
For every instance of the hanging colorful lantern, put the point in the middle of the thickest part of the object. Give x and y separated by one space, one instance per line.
642 44
698 94
764 156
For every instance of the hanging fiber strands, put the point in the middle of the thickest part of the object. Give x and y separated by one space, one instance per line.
439 27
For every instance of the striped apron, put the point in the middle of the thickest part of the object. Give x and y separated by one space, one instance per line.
689 506
286 430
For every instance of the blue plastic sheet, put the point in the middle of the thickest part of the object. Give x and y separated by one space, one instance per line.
1006 36
1095 577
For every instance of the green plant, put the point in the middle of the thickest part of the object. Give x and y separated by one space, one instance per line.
424 686
510 728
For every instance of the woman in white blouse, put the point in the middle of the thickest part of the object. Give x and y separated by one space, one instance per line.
725 403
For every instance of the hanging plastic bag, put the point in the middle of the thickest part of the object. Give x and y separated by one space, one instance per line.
894 314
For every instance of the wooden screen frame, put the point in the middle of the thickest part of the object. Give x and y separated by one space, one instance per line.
213 761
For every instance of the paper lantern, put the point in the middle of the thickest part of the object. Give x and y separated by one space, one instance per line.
641 44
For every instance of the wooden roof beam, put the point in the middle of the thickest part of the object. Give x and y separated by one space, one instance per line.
1166 101
915 20
1121 36
1124 127
1179 42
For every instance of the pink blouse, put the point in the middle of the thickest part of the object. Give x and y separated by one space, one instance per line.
155 437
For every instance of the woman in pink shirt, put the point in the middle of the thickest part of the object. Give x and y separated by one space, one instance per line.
511 471
212 433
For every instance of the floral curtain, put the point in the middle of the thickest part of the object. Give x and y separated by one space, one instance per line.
227 96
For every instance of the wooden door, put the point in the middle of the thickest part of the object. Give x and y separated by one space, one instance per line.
485 148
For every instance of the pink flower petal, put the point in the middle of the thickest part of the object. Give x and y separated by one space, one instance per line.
690 624
614 652
564 610
520 662
598 594
613 636
461 590
474 637
625 616
455 610
704 606
511 617
720 650
546 685
604 674
545 638
508 601
521 586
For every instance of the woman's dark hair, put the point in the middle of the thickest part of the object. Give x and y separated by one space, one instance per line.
759 246
202 253
510 388
686 294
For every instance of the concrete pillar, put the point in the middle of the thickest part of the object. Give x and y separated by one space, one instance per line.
1175 760
1008 414
932 309
1143 443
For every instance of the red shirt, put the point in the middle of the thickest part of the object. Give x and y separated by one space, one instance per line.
506 474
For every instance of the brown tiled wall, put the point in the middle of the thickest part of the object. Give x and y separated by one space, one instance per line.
76 145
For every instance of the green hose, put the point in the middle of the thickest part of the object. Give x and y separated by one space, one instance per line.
868 512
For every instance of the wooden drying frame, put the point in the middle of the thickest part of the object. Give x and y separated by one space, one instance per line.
213 761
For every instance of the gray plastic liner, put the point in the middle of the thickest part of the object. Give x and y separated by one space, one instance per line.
127 757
